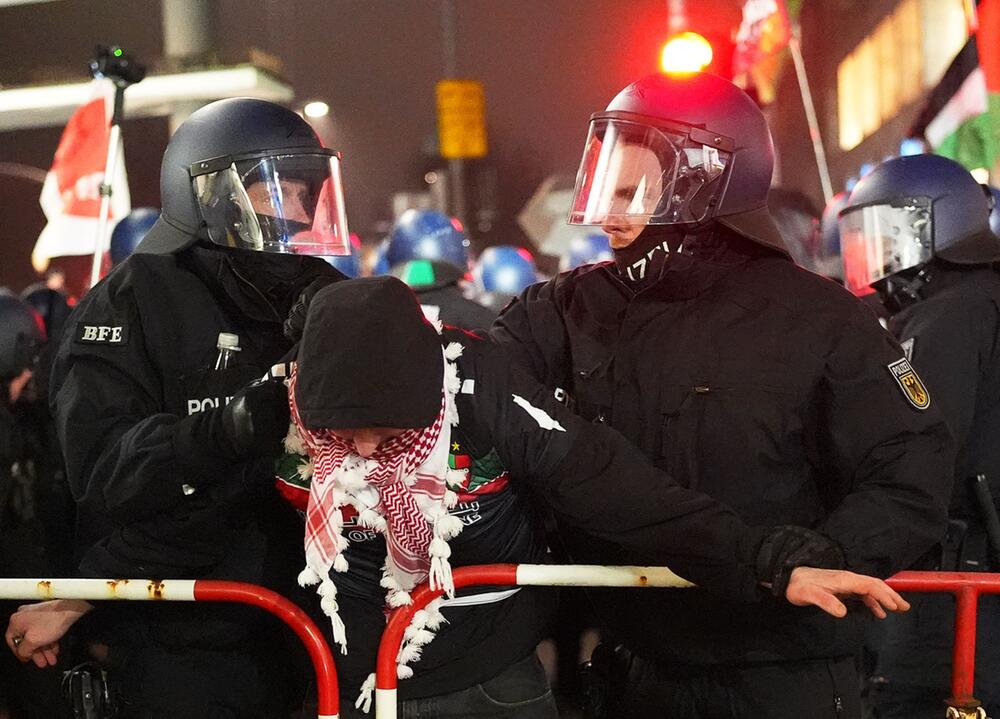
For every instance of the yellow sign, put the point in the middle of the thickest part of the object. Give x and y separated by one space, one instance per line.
461 111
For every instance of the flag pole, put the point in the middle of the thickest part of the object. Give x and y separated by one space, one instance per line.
107 188
115 65
794 47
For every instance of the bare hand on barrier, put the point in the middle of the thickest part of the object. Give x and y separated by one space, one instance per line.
34 631
825 588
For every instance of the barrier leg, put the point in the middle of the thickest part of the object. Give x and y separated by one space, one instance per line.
964 655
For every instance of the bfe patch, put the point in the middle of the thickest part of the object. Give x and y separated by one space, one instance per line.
89 334
913 387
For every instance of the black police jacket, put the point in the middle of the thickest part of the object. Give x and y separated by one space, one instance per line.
768 388
952 337
138 358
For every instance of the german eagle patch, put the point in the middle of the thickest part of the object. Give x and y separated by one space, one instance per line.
913 387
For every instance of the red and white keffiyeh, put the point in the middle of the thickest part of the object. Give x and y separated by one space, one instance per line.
402 492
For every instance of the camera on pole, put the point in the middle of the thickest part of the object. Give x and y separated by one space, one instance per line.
114 64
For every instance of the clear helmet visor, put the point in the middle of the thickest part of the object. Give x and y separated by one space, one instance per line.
880 240
638 174
290 203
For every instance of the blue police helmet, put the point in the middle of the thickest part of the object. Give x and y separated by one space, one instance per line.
959 214
347 264
505 269
995 211
129 231
427 235
586 250
828 227
380 265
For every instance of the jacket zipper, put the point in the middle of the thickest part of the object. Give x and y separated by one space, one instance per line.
260 294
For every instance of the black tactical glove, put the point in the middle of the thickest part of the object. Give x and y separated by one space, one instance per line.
784 548
295 323
255 421
253 424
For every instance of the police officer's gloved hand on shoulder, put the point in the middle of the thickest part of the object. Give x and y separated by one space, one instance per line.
296 321
782 549
252 425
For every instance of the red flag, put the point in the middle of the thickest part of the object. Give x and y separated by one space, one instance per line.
71 196
764 32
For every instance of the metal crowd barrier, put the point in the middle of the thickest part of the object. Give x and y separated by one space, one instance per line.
198 590
967 588
543 575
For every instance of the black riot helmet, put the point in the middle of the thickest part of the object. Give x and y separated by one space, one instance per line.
679 150
22 334
912 209
53 306
250 174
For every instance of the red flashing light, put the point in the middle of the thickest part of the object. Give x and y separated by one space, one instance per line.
686 53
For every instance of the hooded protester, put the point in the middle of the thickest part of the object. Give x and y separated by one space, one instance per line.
739 374
169 441
425 448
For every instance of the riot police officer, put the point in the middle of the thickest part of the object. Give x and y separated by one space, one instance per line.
22 336
501 272
586 249
742 375
828 263
917 230
129 231
25 474
429 252
169 442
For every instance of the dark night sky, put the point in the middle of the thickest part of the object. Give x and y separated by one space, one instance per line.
546 66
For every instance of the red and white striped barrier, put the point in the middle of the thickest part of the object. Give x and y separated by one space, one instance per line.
197 590
547 575
967 588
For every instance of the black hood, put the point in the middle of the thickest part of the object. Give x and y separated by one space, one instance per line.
368 358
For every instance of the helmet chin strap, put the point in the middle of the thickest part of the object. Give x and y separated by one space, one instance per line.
904 289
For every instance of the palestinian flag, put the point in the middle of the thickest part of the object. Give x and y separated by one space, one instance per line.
961 119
